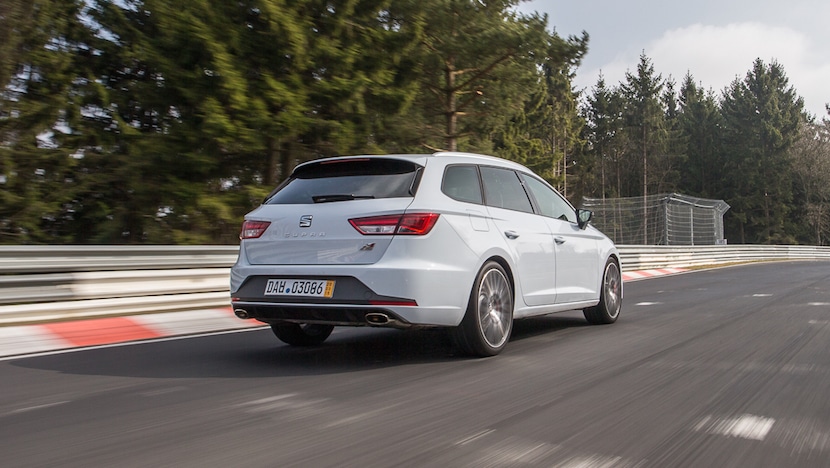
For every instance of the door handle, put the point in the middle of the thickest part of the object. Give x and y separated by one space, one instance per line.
511 234
559 240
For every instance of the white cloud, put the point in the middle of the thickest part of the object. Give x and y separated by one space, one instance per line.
716 55
719 54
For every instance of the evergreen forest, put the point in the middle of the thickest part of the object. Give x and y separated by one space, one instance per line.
164 122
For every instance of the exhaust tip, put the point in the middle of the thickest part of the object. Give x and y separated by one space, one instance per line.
241 313
377 318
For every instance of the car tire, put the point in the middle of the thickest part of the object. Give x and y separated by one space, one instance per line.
610 297
488 322
301 334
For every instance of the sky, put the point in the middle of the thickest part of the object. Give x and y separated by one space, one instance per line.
715 41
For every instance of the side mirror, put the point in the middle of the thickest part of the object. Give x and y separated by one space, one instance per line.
583 217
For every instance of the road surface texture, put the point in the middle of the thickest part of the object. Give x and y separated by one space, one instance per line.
717 368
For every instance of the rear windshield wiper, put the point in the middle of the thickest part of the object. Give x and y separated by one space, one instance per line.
339 197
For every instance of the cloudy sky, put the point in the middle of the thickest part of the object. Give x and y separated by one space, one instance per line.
715 40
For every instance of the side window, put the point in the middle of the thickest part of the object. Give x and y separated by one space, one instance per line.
550 203
503 189
461 183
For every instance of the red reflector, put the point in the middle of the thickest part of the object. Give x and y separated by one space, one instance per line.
410 224
253 229
393 303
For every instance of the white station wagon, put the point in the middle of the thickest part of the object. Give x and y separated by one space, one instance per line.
455 240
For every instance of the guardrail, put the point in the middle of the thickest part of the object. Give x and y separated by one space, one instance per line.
52 283
72 258
644 257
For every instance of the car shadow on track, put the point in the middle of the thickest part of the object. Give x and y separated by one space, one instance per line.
257 353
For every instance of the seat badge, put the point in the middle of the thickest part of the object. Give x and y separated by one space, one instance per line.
368 247
305 221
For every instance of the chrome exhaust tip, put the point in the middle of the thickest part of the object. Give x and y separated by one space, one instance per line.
379 319
241 313
375 318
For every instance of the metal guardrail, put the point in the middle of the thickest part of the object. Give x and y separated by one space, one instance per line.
52 283
55 283
74 258
645 257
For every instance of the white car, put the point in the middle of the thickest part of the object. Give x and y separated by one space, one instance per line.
455 240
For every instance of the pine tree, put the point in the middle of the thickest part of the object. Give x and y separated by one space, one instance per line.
227 99
762 114
49 63
667 166
645 122
700 126
16 20
478 66
604 133
361 73
811 176
547 133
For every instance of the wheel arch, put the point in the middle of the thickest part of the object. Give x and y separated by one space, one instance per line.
506 265
475 337
615 256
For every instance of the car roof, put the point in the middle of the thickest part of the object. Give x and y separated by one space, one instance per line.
480 159
421 159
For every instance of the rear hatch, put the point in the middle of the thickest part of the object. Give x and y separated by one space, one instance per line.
310 213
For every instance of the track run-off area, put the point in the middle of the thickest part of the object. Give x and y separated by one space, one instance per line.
721 367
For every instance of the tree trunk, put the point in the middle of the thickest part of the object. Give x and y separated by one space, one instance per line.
645 189
278 164
451 103
286 161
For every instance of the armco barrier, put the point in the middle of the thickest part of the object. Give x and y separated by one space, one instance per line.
51 283
73 258
639 257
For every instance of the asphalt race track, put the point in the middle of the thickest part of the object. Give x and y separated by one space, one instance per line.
717 368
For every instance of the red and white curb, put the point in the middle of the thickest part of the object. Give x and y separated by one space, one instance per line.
643 274
29 339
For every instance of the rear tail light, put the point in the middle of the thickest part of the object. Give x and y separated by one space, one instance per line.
410 224
417 224
253 229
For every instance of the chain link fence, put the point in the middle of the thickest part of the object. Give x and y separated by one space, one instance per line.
665 219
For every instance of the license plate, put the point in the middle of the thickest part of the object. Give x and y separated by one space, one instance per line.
299 288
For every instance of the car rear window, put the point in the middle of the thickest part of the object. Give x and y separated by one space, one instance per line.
348 179
461 183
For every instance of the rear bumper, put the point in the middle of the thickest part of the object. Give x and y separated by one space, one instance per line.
350 315
409 297
351 304
339 315
419 281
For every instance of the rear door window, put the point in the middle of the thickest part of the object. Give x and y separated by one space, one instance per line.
503 189
348 179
